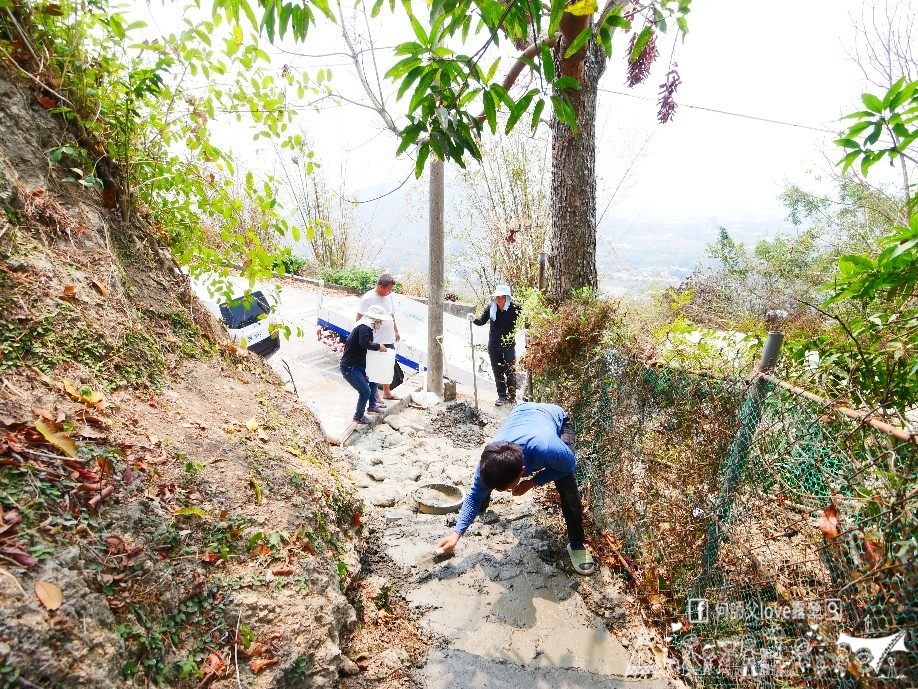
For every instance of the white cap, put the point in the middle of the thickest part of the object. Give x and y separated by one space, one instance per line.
501 291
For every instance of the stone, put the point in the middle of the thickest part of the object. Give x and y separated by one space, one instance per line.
348 667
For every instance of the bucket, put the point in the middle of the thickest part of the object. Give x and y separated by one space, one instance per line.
381 366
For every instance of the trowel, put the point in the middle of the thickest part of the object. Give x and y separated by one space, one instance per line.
428 562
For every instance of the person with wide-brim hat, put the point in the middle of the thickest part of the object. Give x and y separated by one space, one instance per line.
353 364
501 314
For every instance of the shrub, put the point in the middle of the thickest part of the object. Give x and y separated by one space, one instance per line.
289 264
362 279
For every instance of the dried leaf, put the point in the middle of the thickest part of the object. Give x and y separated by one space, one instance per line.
256 488
14 552
69 290
103 290
47 102
216 663
91 433
283 571
252 424
71 390
127 476
60 440
44 413
261 549
49 594
872 550
210 557
256 665
828 522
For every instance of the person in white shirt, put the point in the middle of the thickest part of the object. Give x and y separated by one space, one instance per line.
387 335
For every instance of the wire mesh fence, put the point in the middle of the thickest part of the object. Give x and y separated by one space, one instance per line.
772 539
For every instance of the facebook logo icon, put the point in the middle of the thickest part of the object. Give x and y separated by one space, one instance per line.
697 610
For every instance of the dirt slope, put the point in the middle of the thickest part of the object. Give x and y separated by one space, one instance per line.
170 514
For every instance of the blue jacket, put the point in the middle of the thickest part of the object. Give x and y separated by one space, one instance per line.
537 428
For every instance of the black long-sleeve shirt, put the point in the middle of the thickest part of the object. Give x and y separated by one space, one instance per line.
356 346
501 334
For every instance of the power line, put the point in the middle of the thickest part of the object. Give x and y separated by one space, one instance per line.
726 112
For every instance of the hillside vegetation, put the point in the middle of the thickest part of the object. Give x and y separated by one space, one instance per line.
170 513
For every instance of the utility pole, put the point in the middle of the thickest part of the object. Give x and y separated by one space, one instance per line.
435 270
435 280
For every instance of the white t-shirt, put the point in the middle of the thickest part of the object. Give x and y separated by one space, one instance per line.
386 332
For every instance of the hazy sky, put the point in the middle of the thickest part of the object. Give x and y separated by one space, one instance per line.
784 60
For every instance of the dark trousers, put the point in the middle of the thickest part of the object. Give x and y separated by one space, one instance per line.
503 364
366 391
571 507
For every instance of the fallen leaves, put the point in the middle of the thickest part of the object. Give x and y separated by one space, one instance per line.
828 522
215 666
14 551
49 594
257 488
57 437
256 665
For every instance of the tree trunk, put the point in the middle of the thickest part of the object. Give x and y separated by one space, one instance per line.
573 177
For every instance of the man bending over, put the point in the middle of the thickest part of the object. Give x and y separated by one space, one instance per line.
534 446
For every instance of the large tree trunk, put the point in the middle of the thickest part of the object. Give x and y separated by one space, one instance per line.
573 177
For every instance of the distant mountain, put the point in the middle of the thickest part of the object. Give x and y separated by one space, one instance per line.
632 255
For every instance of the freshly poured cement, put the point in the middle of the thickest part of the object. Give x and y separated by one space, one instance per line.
504 604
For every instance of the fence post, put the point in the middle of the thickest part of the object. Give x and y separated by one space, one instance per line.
737 456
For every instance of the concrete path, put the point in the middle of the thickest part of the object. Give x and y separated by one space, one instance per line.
506 604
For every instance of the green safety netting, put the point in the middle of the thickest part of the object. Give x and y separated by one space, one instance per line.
774 541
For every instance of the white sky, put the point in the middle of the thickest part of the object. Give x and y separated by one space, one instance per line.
785 60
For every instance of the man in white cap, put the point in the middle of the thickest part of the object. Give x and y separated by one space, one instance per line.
501 313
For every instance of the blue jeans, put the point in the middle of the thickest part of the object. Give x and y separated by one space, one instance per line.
366 391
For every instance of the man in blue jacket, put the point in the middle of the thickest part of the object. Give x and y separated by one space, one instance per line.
534 446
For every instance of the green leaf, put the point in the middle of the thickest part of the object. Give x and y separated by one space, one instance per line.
582 8
893 90
518 110
640 43
490 110
847 143
377 8
578 42
604 36
409 79
537 113
567 83
191 512
422 36
422 90
557 12
873 103
422 160
502 94
548 63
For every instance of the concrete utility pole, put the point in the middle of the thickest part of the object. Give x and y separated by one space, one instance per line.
435 271
435 280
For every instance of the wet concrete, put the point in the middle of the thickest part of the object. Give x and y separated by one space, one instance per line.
506 605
